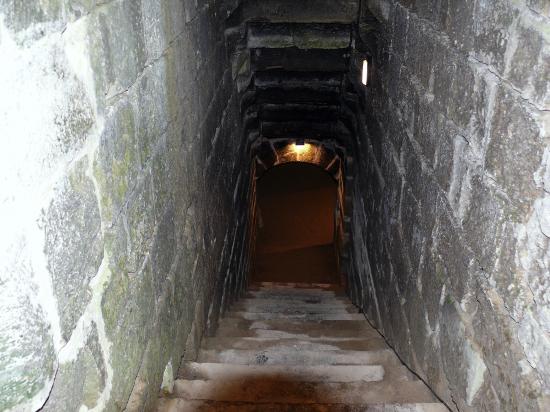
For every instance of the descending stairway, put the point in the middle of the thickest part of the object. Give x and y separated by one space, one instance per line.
297 348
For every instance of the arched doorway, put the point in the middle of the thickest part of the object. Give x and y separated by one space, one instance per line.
296 207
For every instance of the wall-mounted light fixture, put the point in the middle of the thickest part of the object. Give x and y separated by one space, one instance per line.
365 72
300 146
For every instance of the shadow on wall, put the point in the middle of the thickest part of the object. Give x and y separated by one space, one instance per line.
295 230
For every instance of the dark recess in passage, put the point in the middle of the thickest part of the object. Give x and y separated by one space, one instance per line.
295 238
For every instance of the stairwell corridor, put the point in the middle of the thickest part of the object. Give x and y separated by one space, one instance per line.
274 205
297 347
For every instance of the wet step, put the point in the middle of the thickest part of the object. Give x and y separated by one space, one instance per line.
353 344
277 391
276 356
182 405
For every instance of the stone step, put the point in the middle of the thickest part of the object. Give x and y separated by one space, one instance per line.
301 36
182 405
350 343
292 294
295 328
276 391
293 80
309 317
283 373
311 336
294 286
289 356
298 300
257 305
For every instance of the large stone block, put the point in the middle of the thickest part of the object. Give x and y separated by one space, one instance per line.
445 67
81 381
413 232
116 165
433 283
459 24
141 222
411 163
407 101
529 67
129 309
468 100
117 47
402 273
381 9
517 386
483 222
28 356
515 150
492 32
449 157
454 257
22 15
163 250
540 6
344 11
417 319
152 114
158 26
465 366
421 46
425 129
400 28
74 243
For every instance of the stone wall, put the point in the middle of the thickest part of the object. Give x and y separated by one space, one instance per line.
451 210
122 203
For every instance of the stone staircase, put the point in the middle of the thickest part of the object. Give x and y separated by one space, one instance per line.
297 347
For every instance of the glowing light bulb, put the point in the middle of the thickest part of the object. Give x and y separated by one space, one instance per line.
300 147
365 72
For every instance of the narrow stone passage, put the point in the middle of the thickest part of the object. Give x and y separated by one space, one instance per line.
296 347
137 136
295 240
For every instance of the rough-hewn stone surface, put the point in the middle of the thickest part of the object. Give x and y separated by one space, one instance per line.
123 204
125 183
450 238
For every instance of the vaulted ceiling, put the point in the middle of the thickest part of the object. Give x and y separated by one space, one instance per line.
296 67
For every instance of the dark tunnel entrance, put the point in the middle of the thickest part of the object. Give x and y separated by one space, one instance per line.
295 240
